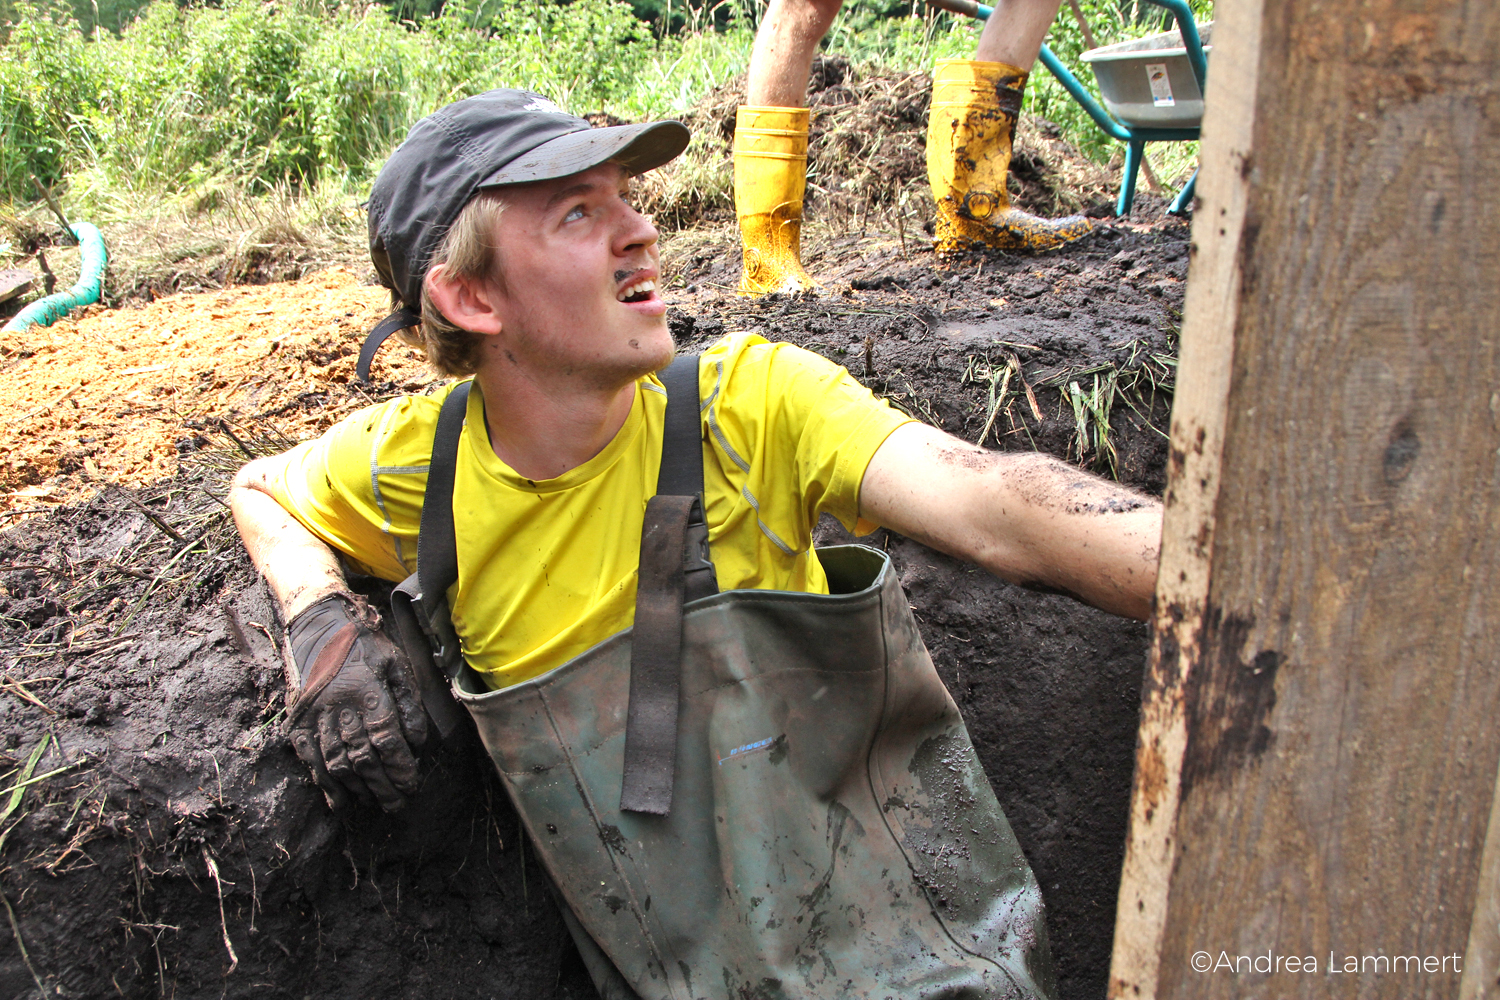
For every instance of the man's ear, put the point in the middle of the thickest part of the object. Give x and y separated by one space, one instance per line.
468 303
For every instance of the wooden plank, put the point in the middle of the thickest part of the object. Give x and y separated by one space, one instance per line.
1482 958
1318 751
14 282
1210 314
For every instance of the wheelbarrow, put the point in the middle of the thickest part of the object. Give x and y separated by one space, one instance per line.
1152 89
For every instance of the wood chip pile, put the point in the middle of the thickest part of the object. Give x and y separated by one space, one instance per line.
118 395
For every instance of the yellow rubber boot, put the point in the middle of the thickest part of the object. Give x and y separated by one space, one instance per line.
770 176
969 134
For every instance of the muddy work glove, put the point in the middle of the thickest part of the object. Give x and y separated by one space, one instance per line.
357 718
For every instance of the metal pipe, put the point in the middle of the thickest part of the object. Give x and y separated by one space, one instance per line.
1188 28
1184 200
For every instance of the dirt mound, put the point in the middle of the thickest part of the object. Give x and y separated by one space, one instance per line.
867 157
117 395
178 848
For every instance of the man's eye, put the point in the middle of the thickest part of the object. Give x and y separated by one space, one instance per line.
576 212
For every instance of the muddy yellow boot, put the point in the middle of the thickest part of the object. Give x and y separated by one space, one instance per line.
770 175
969 133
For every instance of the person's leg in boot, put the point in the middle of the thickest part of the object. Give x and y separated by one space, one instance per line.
975 105
770 145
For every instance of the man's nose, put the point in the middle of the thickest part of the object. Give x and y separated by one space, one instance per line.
636 231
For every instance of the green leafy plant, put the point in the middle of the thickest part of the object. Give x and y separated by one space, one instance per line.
201 106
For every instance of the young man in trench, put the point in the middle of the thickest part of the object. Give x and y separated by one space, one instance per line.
508 225
971 128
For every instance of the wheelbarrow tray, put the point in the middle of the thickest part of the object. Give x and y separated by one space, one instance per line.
1149 82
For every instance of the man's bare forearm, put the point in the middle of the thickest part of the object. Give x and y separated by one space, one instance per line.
299 568
1027 518
1084 536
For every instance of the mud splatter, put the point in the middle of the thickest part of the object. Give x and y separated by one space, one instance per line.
1229 699
779 749
614 839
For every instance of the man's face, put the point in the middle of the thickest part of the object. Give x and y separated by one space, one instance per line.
580 269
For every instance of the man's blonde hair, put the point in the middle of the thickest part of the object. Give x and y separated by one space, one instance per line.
468 251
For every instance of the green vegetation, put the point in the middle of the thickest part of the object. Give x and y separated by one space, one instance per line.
190 100
190 106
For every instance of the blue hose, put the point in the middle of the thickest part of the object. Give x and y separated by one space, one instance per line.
48 310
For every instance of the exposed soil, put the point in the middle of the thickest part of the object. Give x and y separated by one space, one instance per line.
116 395
183 852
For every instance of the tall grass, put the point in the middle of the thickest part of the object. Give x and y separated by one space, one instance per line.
186 99
190 103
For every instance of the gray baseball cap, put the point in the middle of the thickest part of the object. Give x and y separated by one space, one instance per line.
494 139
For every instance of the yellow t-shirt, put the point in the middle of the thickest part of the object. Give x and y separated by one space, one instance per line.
547 569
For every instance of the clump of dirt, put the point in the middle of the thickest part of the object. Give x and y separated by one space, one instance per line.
179 849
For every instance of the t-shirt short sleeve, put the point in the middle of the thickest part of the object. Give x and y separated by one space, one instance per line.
792 434
359 487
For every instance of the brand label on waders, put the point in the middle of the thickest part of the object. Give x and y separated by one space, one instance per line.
748 749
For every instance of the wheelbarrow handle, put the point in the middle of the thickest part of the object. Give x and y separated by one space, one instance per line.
968 8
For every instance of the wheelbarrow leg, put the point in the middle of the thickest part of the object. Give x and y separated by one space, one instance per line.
1183 203
1134 150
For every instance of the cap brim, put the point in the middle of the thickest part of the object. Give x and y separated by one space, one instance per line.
637 148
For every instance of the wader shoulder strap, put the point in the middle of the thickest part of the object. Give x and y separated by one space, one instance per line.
681 475
675 568
398 320
681 472
437 541
420 603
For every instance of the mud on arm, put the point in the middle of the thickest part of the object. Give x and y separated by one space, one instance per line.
1028 518
299 568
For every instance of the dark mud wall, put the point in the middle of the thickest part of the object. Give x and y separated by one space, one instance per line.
183 853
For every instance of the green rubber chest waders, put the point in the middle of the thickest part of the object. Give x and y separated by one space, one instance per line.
830 832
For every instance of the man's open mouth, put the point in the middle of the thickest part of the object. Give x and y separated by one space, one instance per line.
639 291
